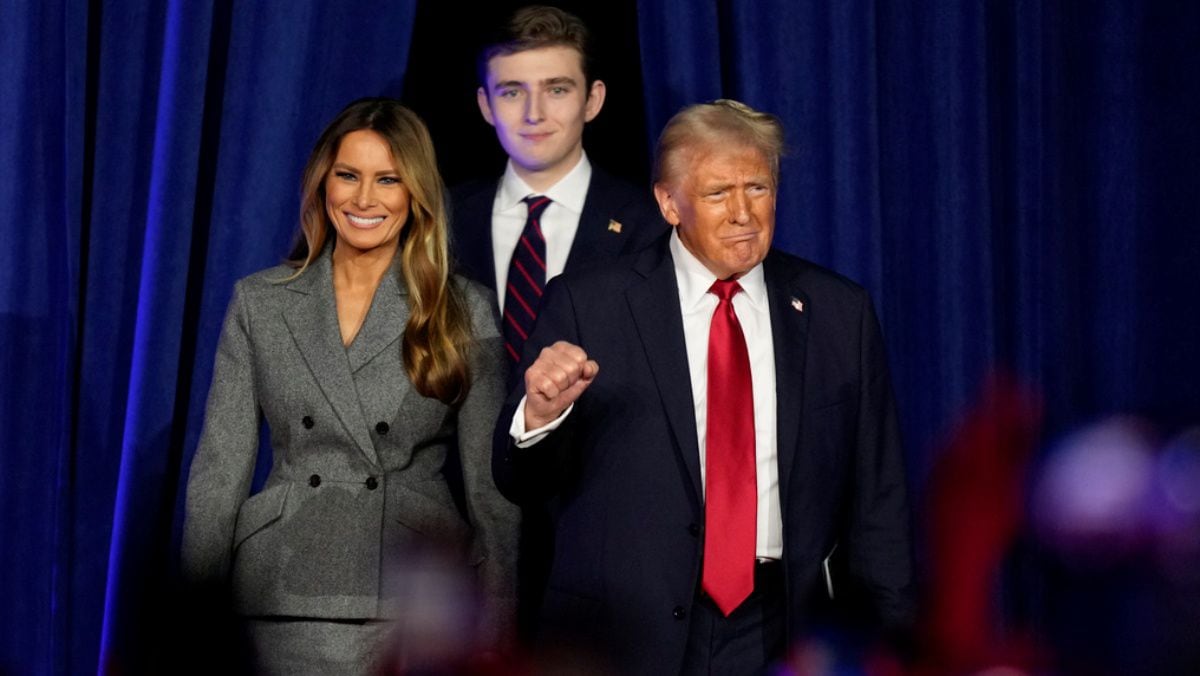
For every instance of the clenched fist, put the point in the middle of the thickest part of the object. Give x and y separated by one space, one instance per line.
554 381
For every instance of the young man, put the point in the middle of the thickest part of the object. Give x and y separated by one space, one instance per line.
551 210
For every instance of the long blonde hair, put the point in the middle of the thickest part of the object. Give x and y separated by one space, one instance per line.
438 334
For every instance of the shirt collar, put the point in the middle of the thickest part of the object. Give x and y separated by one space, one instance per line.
569 192
694 279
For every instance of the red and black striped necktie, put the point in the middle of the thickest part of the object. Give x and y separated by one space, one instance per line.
526 279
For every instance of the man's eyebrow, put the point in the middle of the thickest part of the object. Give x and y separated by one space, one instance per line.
729 185
506 84
547 82
715 187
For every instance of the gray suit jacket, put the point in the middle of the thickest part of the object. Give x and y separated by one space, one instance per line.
358 456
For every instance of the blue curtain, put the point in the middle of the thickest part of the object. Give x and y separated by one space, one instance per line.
149 156
1015 182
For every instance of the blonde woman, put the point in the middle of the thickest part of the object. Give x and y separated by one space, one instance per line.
370 362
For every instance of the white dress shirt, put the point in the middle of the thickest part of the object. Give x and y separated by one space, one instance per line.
697 307
559 221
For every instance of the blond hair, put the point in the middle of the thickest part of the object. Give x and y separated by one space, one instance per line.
720 122
438 332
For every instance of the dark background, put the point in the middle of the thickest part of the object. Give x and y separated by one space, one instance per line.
1015 183
441 82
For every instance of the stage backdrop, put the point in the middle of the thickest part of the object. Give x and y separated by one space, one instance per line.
1016 183
149 156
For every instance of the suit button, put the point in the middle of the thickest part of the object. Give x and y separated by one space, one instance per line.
307 421
372 483
679 613
382 427
694 530
314 480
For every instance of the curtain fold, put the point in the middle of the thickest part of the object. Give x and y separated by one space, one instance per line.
136 551
42 125
151 157
1015 183
1007 179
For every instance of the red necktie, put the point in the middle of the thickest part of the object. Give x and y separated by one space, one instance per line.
731 493
526 279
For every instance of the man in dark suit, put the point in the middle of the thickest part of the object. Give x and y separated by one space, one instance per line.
712 427
537 90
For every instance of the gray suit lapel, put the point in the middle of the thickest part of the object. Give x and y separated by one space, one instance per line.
384 322
789 309
655 308
312 320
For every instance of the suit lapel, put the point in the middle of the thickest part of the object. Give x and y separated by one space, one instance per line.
473 232
655 307
789 309
312 320
384 322
593 239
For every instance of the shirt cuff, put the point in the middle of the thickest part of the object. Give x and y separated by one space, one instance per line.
524 439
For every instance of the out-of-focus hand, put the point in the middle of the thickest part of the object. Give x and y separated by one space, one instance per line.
554 381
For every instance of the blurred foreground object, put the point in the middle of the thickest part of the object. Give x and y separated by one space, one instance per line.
1117 514
975 507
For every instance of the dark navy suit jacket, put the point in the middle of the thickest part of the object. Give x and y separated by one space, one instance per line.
597 241
621 476
608 199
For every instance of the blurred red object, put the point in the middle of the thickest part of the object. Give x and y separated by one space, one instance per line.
975 507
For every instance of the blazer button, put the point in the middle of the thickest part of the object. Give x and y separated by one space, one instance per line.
382 427
307 421
694 530
372 483
679 613
314 480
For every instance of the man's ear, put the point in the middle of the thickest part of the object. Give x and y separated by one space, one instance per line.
666 203
595 100
485 105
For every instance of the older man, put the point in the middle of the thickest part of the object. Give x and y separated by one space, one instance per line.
712 426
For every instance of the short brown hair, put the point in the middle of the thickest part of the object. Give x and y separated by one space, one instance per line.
535 27
723 121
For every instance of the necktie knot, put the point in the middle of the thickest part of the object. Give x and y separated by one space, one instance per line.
725 289
537 204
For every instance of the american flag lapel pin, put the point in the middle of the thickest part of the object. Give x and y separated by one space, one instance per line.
614 226
797 305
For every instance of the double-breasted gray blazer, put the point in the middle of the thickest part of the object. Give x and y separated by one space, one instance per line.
358 455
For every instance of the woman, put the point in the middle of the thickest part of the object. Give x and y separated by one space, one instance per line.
370 363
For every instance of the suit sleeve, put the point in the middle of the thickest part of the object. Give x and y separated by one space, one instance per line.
223 465
880 541
527 475
493 518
